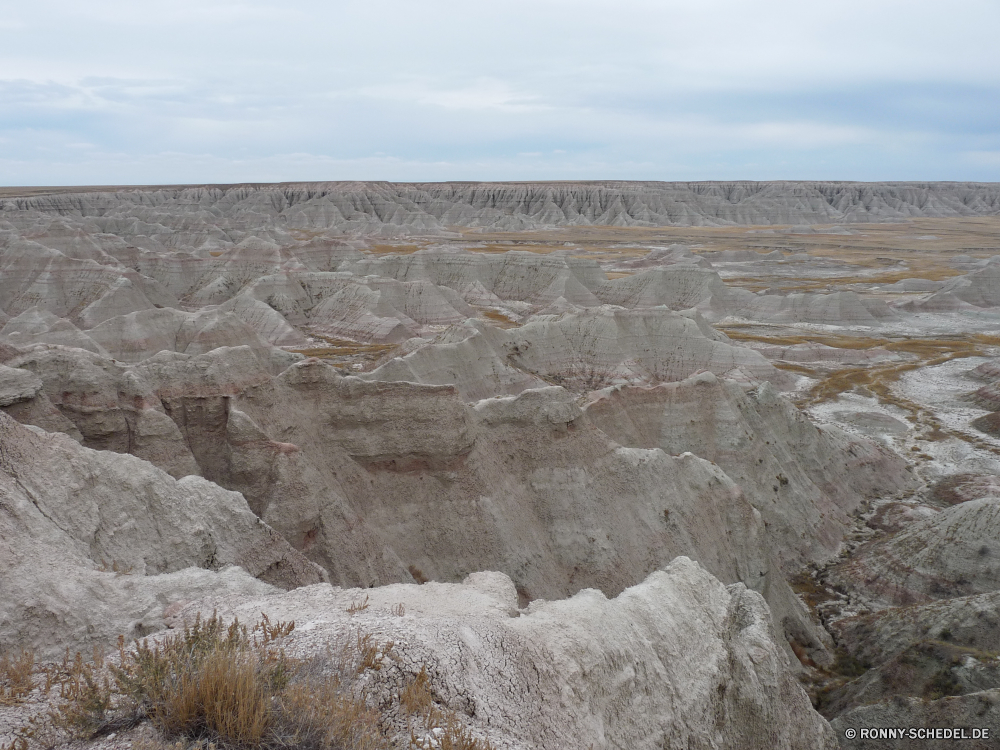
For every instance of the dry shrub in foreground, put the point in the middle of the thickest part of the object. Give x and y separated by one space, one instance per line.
15 676
235 687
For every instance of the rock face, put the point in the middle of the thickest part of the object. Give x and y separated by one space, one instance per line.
17 385
677 661
804 481
971 622
953 553
73 521
581 351
514 411
979 288
429 207
924 651
977 710
382 481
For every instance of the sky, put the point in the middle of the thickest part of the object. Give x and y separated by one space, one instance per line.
109 92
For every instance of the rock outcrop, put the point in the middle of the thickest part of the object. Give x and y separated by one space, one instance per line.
805 481
95 543
676 661
581 351
979 710
431 207
952 553
381 481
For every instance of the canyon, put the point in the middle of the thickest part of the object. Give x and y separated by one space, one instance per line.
618 465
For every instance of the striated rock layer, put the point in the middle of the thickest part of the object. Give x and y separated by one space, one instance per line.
382 481
418 207
804 480
676 661
93 544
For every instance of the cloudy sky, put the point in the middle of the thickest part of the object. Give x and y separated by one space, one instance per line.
194 91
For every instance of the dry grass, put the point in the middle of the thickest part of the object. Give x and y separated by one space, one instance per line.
343 352
925 352
499 318
228 685
16 676
234 688
344 348
877 379
442 729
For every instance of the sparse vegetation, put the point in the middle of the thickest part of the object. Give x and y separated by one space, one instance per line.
358 606
499 319
115 567
417 573
233 687
15 676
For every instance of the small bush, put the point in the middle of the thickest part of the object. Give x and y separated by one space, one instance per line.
235 688
15 676
231 686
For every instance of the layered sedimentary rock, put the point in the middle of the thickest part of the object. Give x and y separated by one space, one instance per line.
430 207
970 622
96 543
977 710
511 411
953 553
581 350
679 660
978 289
377 480
804 480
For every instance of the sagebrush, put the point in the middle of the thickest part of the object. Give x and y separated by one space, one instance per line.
234 687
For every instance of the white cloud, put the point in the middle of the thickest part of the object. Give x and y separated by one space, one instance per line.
653 86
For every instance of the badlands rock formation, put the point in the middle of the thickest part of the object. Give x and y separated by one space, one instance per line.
677 661
381 481
780 459
96 544
186 215
953 553
581 350
210 394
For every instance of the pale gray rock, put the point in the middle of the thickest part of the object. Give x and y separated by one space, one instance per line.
872 423
264 320
140 335
973 291
38 326
988 371
805 481
971 622
514 275
913 285
977 710
677 661
676 287
67 514
376 480
953 553
660 257
583 350
836 308
394 208
17 385
820 354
